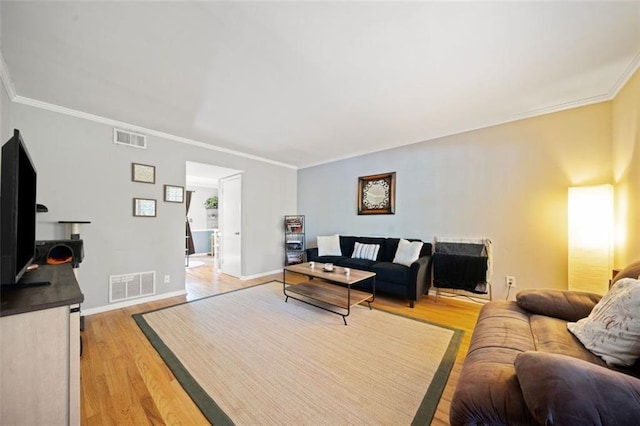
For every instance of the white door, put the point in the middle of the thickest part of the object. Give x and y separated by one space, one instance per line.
230 210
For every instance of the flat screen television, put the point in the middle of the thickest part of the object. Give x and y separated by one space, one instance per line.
17 211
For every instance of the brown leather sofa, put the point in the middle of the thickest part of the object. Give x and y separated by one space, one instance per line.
525 367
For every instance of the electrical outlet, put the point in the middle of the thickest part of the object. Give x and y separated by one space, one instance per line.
510 281
167 279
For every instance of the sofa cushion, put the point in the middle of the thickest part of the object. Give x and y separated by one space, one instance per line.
490 331
551 335
362 264
567 305
391 247
562 390
365 251
407 252
382 242
612 329
329 245
346 244
488 391
327 259
391 272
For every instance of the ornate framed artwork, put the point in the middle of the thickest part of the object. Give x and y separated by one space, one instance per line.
174 193
144 207
377 194
143 173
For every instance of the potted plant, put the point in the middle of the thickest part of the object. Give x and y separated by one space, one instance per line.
211 202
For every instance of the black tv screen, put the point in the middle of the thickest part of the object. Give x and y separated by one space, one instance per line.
17 211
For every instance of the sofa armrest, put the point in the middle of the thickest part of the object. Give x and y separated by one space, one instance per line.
562 390
419 277
312 253
567 305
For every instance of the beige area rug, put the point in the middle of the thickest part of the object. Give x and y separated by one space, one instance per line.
247 357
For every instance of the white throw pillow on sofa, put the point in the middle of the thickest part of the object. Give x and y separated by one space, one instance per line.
407 252
365 251
329 245
612 329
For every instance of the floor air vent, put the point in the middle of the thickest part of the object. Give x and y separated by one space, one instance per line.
131 286
124 137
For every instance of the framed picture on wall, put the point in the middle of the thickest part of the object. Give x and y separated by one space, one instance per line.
377 194
144 207
174 194
143 173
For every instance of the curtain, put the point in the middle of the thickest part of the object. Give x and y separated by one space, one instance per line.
189 237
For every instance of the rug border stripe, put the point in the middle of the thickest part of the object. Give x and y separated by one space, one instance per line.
198 395
215 415
429 405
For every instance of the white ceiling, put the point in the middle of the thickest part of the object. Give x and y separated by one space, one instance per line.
302 83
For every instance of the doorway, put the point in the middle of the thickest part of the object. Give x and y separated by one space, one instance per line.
205 222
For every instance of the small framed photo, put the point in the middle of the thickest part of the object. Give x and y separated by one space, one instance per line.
377 194
144 207
174 193
143 173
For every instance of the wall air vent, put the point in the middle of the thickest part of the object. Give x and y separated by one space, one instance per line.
125 137
131 286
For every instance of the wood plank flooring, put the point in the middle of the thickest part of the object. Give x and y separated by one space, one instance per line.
124 380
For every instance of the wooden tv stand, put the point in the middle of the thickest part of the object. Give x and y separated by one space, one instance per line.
40 350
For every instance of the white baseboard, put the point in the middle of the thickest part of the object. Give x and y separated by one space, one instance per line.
132 302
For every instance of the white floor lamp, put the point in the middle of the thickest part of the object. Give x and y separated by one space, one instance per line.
590 216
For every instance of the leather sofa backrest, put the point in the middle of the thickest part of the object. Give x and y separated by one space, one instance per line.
631 271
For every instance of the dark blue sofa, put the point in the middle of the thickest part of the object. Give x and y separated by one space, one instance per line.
410 282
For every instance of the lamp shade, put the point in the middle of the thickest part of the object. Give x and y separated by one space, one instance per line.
590 223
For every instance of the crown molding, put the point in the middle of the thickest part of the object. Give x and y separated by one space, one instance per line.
139 129
626 75
631 69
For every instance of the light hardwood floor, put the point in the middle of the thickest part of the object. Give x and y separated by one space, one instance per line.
125 382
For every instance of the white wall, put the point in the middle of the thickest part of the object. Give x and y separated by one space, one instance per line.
83 175
507 183
197 212
199 220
